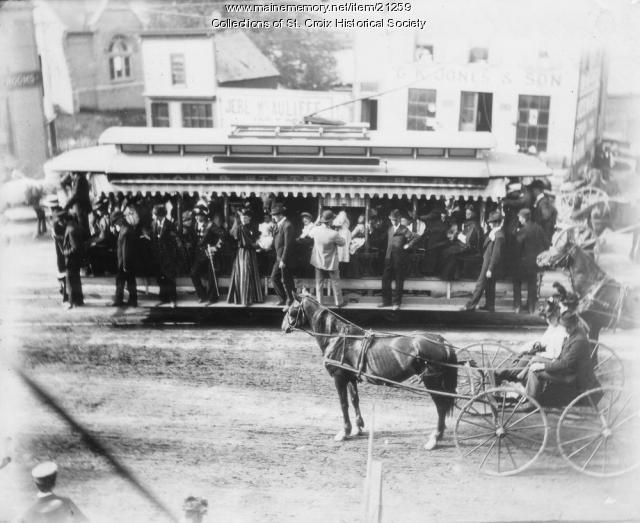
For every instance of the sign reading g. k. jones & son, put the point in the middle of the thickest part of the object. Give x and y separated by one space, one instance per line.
23 80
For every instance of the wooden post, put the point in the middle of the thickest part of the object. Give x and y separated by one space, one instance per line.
374 510
414 209
179 212
367 482
367 208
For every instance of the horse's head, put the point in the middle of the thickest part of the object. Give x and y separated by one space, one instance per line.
558 252
295 316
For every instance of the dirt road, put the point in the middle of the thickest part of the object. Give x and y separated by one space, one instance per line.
246 419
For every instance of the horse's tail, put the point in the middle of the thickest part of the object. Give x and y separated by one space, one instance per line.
450 380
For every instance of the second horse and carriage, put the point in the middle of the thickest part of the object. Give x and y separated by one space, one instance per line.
340 167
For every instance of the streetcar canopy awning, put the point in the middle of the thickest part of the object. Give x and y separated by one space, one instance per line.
147 160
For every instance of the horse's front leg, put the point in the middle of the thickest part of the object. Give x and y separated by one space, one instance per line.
437 434
355 401
341 386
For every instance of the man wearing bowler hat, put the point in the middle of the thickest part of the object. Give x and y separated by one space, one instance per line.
126 261
284 244
73 250
399 240
543 211
50 507
491 266
530 241
324 256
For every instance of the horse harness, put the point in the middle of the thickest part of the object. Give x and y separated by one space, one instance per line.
337 353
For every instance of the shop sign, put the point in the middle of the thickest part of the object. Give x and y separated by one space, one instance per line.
23 80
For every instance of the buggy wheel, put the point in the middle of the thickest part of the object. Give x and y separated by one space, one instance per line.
505 442
479 363
598 432
607 366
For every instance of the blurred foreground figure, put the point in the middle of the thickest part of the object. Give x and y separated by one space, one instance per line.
50 508
194 509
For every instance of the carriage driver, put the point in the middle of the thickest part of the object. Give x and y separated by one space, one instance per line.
558 382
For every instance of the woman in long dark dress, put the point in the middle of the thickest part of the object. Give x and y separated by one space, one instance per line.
245 285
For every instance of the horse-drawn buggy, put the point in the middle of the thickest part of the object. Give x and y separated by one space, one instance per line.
500 428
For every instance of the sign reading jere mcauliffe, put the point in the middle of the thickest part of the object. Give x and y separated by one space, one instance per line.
266 106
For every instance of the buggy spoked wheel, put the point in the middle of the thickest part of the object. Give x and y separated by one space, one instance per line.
505 442
607 366
598 432
479 363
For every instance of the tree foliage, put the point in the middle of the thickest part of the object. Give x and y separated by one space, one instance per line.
304 57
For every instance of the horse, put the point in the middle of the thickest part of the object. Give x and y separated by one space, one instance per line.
604 301
350 352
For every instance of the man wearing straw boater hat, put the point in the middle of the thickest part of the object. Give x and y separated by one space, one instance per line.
491 266
324 256
50 507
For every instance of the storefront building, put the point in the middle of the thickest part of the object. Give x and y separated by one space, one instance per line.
538 98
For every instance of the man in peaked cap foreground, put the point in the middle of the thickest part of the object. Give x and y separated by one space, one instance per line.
50 508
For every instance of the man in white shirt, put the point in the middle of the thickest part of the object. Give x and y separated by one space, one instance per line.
324 256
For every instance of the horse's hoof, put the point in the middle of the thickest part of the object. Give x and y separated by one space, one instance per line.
341 436
432 442
356 431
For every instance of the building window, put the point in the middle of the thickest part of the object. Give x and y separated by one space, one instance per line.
369 113
119 59
423 53
475 111
478 54
196 115
533 123
177 69
421 112
159 114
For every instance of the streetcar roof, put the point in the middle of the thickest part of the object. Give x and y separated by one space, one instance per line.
188 160
108 159
223 136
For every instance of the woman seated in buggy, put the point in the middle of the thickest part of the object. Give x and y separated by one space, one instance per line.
555 378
